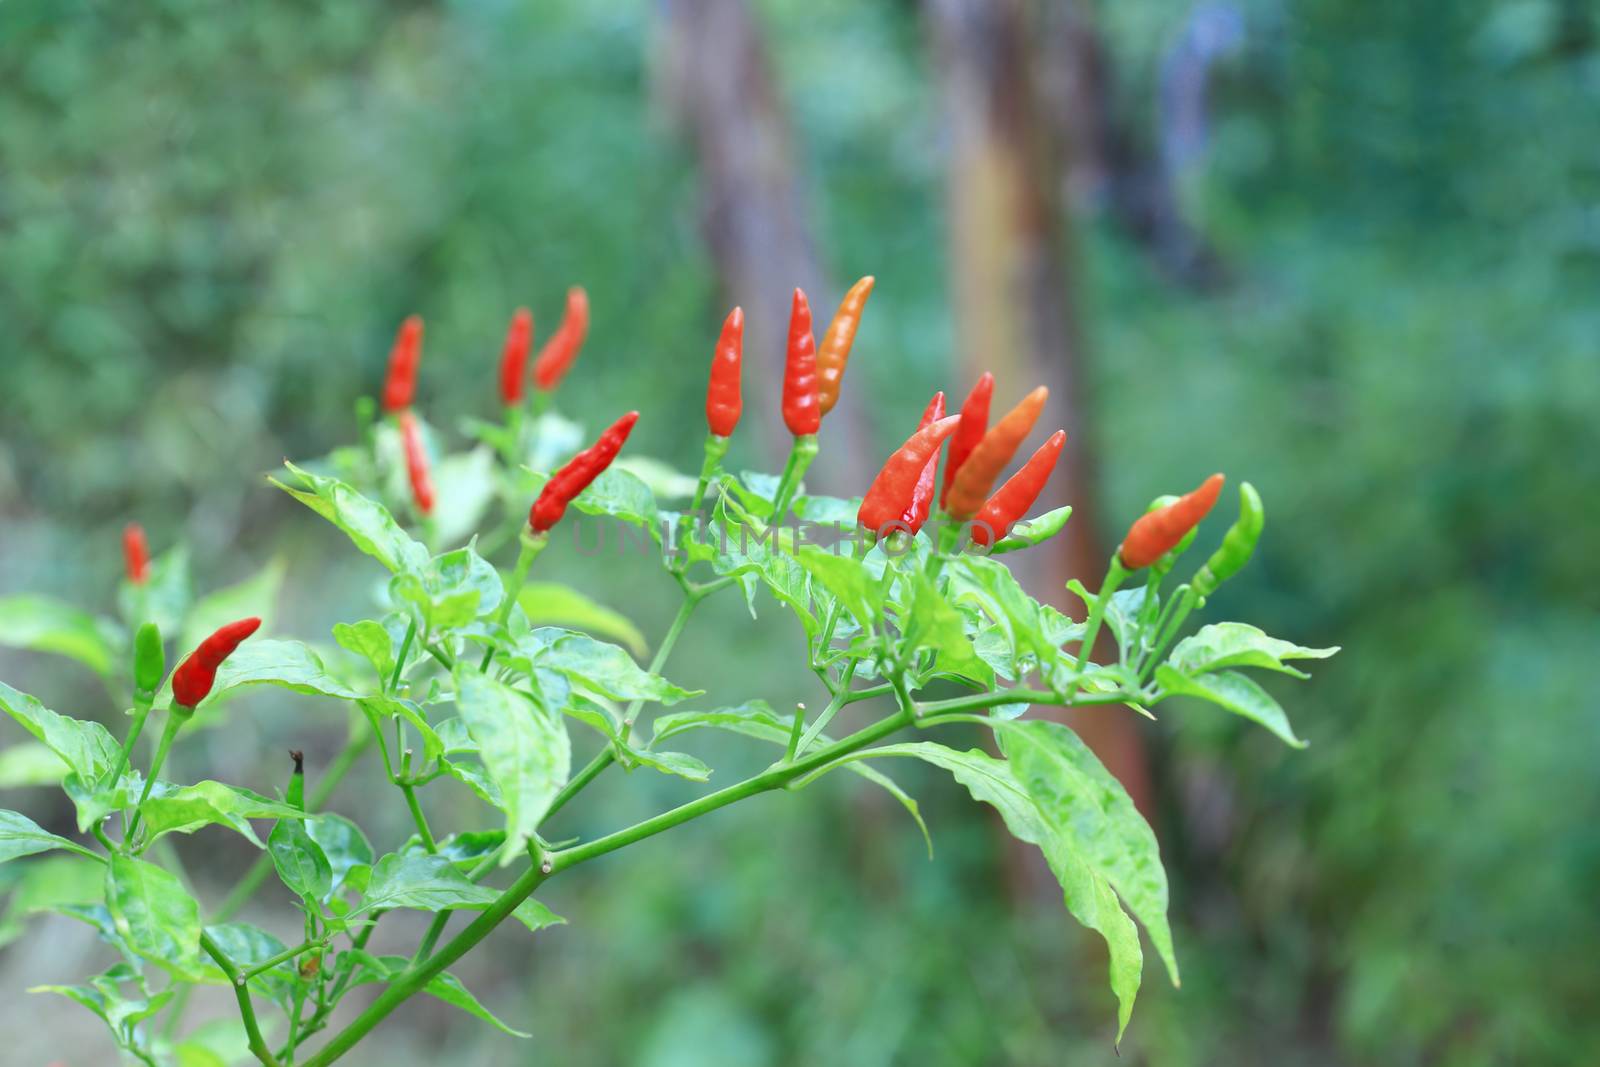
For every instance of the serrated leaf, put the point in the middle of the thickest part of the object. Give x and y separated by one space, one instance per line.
184 810
1233 692
1222 645
43 624
366 522
524 747
424 882
554 604
1082 799
153 913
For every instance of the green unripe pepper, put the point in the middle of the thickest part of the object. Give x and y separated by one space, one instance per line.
149 661
1237 546
295 796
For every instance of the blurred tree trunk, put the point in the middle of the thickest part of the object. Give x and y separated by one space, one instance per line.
718 81
1013 288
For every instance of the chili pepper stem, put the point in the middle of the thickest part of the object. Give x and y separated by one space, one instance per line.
679 621
716 448
1116 574
800 457
141 712
532 545
1185 600
175 721
513 424
241 991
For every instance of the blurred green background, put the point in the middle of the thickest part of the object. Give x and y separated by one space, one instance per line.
1349 251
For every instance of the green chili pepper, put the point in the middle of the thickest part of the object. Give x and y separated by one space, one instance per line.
1237 545
149 662
296 794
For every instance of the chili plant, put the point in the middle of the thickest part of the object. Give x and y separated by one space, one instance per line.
911 622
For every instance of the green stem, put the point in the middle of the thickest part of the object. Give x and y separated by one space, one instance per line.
1097 616
175 723
532 545
1185 599
241 992
286 954
400 660
417 976
419 818
591 770
716 448
800 457
141 712
681 619
841 697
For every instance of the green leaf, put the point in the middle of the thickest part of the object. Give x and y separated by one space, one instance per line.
290 665
553 604
535 916
844 578
432 746
103 996
524 748
427 883
1234 692
602 668
249 946
663 481
366 522
465 849
42 624
1235 644
87 748
754 718
153 913
677 763
301 864
342 843
452 590
257 595
445 986
184 810
49 884
1088 897
1033 531
30 763
370 640
21 836
1034 632
933 623
1082 799
623 496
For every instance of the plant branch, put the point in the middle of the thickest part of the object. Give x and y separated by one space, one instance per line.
241 992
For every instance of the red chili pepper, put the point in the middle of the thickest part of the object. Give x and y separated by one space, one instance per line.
834 351
890 495
135 553
1012 500
974 421
801 412
922 496
1152 535
994 450
195 676
580 470
724 403
558 353
514 357
416 463
401 385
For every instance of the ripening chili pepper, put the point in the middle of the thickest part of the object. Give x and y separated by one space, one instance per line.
558 353
922 495
800 411
1238 544
416 463
890 495
1153 534
993 451
834 350
514 357
401 385
149 661
974 421
1013 499
580 470
195 676
724 402
135 553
